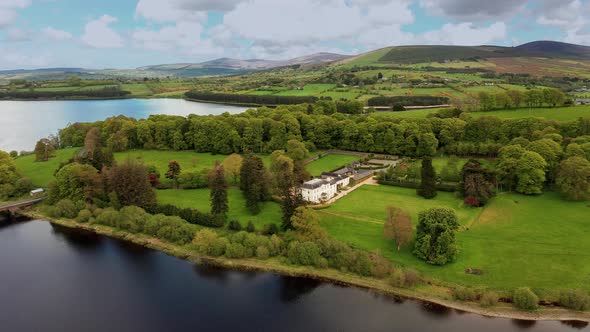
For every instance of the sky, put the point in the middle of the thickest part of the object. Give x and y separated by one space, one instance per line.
132 33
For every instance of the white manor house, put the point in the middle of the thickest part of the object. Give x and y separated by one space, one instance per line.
322 189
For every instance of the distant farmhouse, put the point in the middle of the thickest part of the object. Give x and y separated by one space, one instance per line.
324 188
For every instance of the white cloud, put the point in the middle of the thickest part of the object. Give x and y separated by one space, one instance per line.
18 35
8 10
56 34
291 25
99 34
571 16
465 34
183 36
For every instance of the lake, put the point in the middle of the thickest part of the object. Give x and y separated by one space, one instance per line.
56 279
23 123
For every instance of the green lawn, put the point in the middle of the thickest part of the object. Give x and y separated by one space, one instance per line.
409 114
189 161
41 173
516 240
329 163
199 199
558 114
308 90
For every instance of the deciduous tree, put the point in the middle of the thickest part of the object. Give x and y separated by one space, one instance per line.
398 227
573 178
435 236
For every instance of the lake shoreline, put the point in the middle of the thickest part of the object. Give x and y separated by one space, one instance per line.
328 275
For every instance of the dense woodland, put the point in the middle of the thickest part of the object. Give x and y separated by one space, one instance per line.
107 92
249 99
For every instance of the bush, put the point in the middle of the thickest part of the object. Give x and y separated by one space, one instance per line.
412 277
84 216
525 299
66 209
235 225
108 217
464 294
132 219
208 243
250 228
262 252
304 253
575 300
397 278
235 250
489 299
23 186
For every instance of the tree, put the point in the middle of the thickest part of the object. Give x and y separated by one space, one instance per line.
427 187
296 150
427 144
218 195
44 150
130 182
573 178
477 183
95 154
524 298
173 172
550 150
435 236
398 227
285 184
254 182
77 182
530 171
92 143
232 166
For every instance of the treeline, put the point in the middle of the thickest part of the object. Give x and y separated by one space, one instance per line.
107 92
408 101
513 99
265 130
249 99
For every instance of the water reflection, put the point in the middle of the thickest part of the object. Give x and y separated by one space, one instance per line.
79 239
576 324
110 285
524 324
293 289
436 310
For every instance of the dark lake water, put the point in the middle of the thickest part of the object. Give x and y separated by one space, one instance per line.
55 279
25 122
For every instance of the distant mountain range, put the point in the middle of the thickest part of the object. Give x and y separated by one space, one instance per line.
389 55
228 65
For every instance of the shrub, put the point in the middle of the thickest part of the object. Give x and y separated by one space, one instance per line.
66 209
262 252
277 245
575 300
464 294
84 216
489 299
132 219
235 225
525 299
397 278
304 253
250 228
108 217
23 186
412 277
235 250
208 243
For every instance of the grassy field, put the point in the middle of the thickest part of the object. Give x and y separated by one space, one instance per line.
516 240
329 163
558 114
308 90
199 199
41 173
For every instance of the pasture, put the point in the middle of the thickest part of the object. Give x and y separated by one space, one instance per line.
534 241
199 199
557 114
